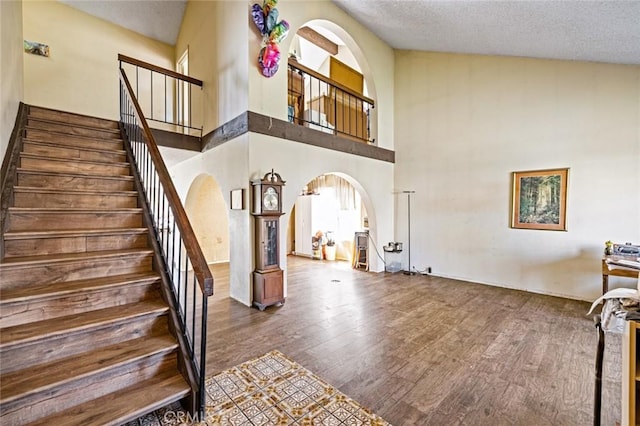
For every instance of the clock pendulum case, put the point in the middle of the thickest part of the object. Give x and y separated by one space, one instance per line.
268 283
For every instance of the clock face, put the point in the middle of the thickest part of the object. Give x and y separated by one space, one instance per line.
270 199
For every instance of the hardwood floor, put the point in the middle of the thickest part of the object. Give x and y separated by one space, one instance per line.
422 350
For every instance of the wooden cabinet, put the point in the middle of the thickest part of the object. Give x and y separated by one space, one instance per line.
630 374
267 288
345 113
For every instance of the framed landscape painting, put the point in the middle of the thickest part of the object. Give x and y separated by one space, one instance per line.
539 199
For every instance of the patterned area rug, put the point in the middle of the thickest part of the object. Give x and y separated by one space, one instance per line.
269 390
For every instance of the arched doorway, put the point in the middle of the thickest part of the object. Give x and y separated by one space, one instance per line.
330 209
207 210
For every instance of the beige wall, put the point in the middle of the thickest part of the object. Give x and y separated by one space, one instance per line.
464 123
216 32
81 75
11 52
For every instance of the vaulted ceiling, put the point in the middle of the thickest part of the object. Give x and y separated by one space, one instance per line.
601 31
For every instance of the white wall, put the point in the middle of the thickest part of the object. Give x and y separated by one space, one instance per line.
11 79
81 74
299 163
250 156
465 122
229 166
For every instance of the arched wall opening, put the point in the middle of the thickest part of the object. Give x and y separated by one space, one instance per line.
328 211
206 208
316 58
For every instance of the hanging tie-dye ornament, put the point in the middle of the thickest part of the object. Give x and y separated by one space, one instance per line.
269 59
265 18
279 32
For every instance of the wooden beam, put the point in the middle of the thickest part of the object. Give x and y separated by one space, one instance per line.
266 125
228 131
176 140
250 121
318 39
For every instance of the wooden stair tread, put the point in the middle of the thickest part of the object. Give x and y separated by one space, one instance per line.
73 210
37 111
81 175
79 147
64 326
19 384
69 135
19 235
47 259
82 126
73 160
37 189
64 288
115 408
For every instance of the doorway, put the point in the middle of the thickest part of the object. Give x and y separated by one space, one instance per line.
183 92
325 219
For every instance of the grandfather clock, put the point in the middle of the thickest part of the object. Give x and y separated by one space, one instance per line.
268 285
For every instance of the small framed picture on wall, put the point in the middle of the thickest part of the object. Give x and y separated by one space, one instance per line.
237 199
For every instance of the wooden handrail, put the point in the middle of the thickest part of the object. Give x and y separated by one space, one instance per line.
165 71
295 64
8 173
194 252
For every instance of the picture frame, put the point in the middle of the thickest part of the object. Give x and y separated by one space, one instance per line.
539 199
237 199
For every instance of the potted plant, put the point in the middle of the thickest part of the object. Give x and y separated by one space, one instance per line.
608 247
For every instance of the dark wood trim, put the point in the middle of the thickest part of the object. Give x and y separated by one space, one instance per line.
228 131
8 173
165 71
266 125
258 123
318 39
198 262
176 140
296 65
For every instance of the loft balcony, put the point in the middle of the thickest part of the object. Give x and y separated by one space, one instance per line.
321 103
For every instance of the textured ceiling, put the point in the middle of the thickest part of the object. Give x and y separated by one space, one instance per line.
157 19
602 31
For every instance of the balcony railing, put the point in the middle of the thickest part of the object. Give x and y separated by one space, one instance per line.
317 102
166 97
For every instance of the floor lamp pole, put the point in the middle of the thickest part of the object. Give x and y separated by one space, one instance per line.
409 271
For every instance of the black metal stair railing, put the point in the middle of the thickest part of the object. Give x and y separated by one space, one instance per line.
167 98
175 239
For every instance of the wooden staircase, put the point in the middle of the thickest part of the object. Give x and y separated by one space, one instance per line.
84 329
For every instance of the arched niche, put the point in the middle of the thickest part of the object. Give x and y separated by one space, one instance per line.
206 208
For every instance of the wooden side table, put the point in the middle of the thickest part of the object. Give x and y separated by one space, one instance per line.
614 270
